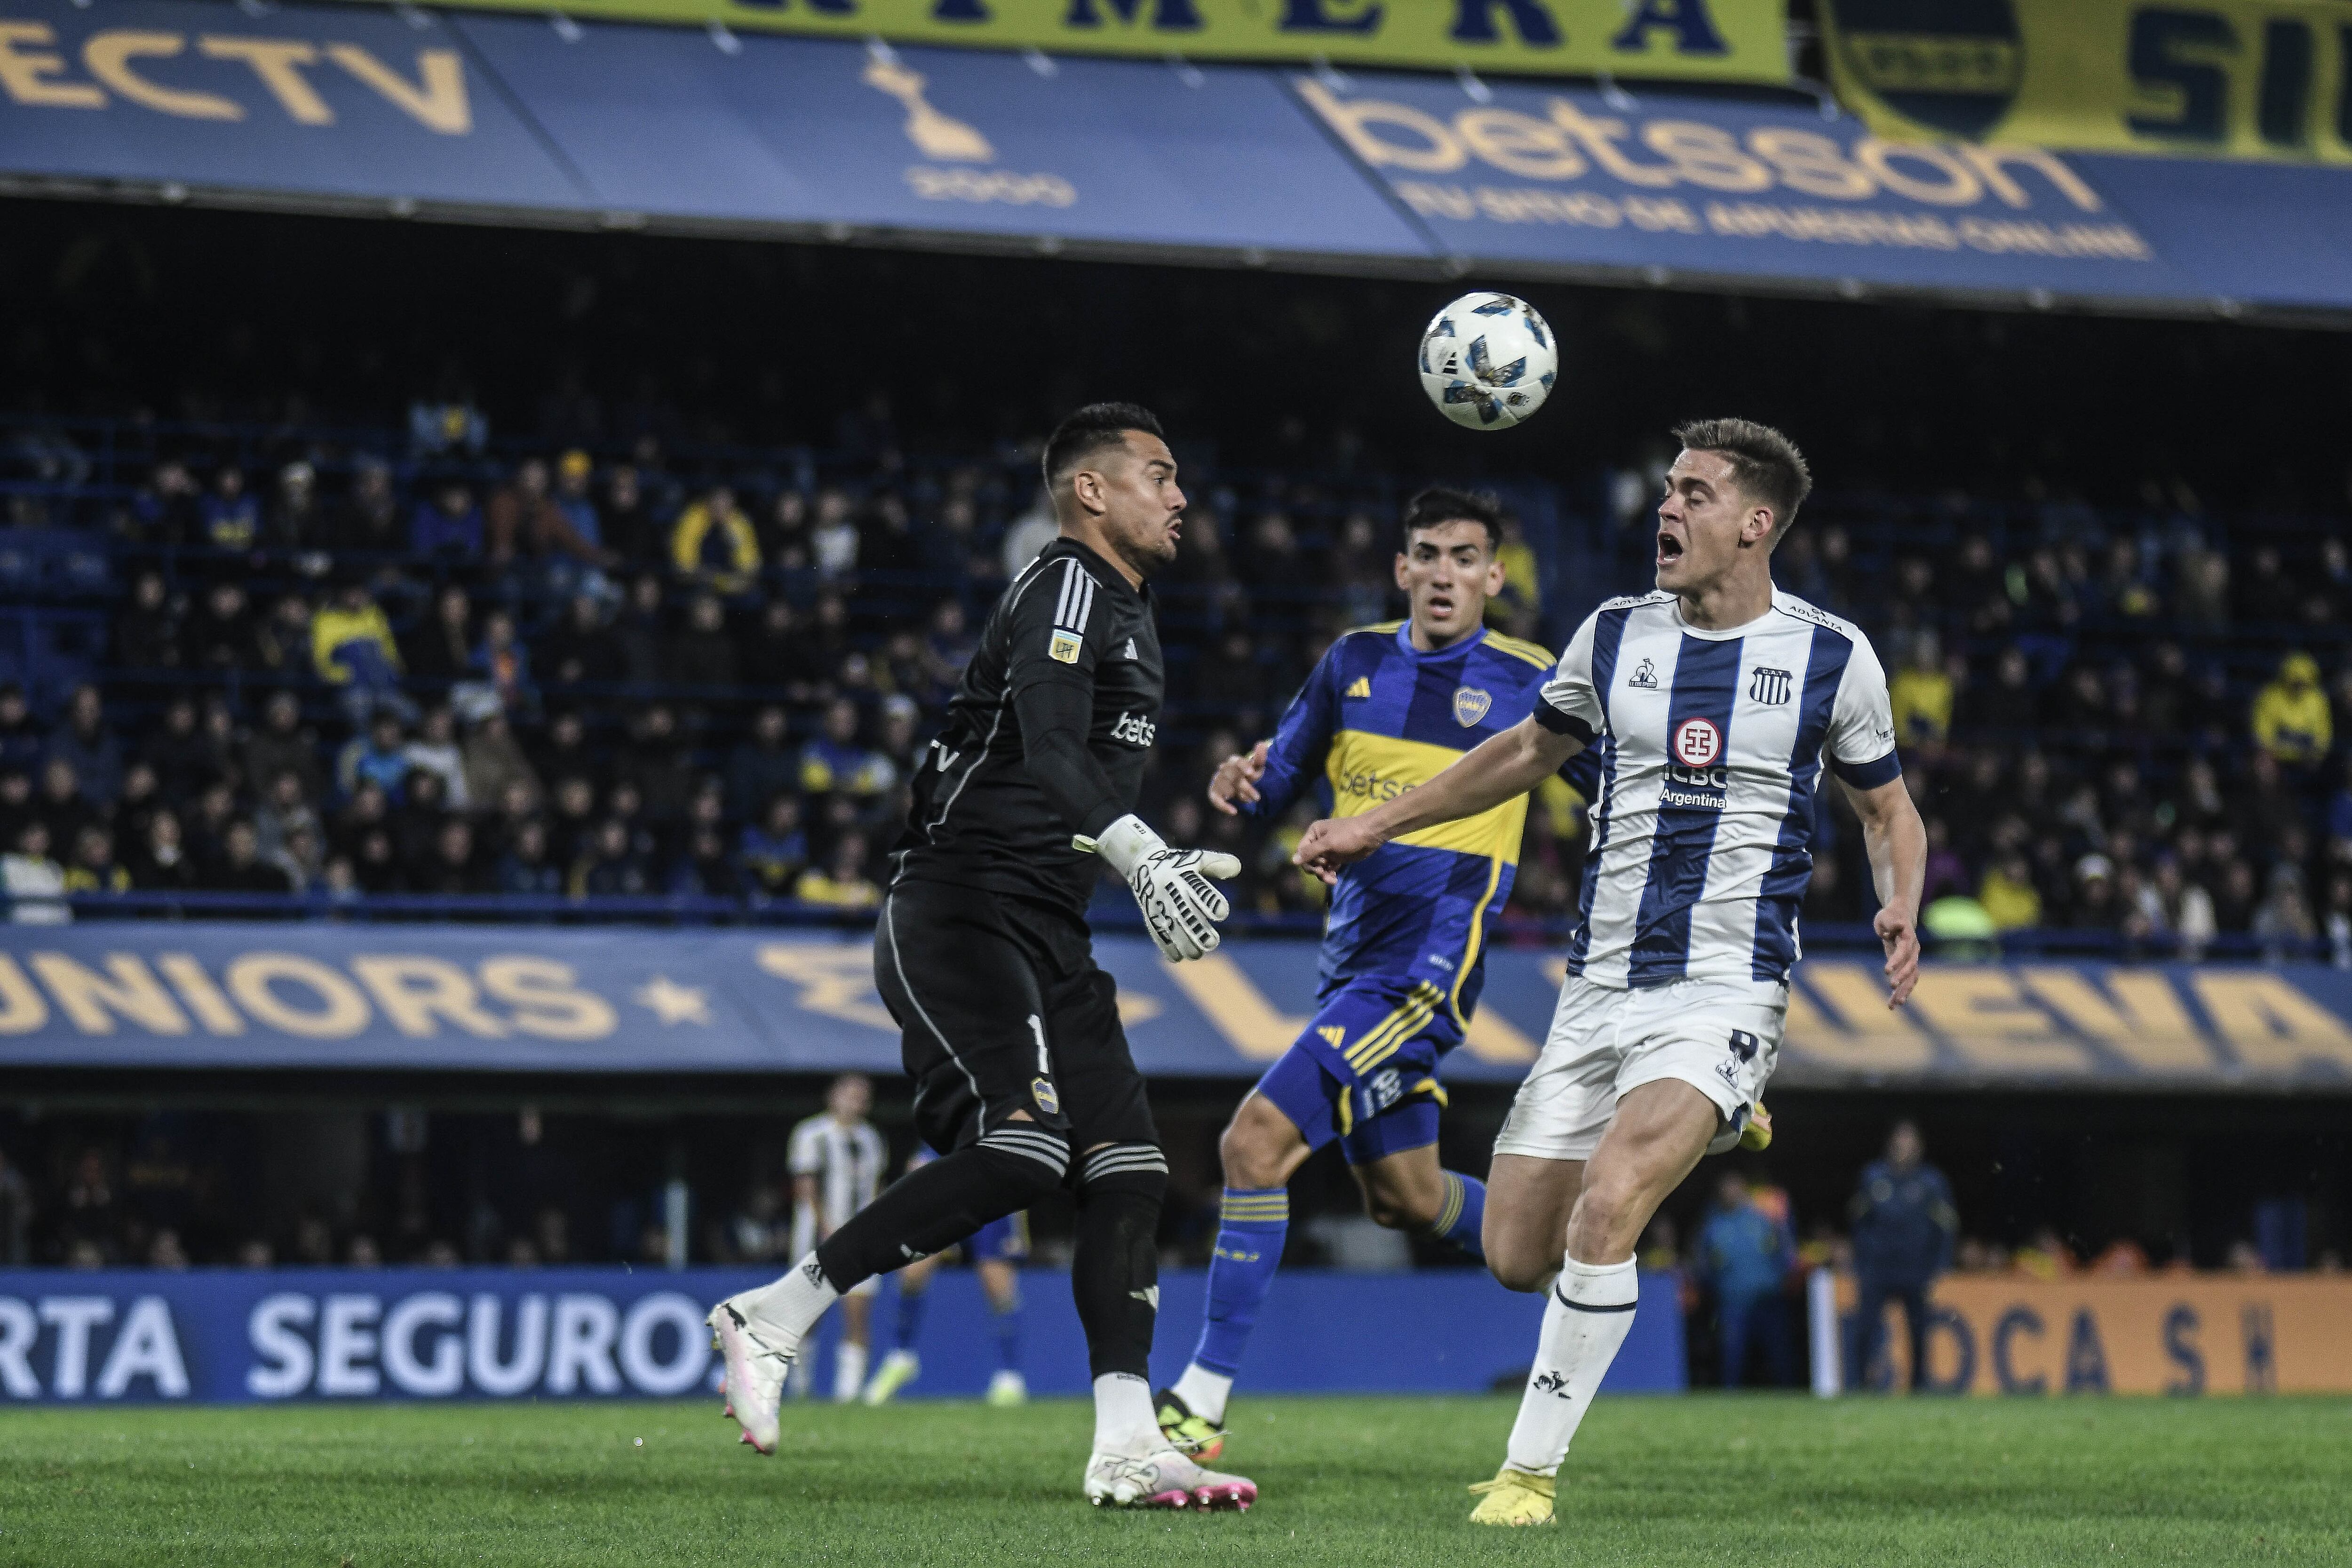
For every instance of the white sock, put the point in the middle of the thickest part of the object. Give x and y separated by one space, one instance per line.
1204 1393
1124 1423
781 1313
848 1372
1586 1316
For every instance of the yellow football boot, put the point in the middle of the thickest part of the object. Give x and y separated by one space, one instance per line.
1514 1498
899 1369
1186 1433
1757 1135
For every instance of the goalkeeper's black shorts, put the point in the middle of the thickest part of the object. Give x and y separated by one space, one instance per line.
1000 1008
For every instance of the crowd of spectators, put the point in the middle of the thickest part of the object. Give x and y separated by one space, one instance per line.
444 672
576 680
2115 724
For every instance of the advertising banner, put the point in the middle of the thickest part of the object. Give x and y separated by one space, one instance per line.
657 122
1703 40
273 1336
541 999
2237 78
328 102
1655 186
540 119
2177 1334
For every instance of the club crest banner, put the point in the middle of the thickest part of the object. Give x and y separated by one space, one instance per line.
539 999
2240 79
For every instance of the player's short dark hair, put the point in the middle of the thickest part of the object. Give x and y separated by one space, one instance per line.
1437 506
1090 430
1765 464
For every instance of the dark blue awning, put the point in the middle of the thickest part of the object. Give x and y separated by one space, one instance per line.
544 121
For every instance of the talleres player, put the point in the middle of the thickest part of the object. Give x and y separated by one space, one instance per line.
1715 703
1023 1082
1385 709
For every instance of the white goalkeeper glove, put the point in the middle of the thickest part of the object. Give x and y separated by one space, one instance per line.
1180 906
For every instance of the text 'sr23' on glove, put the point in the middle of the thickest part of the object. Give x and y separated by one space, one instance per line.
1180 905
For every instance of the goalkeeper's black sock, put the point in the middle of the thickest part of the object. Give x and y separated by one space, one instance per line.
937 1205
1115 1268
1115 1275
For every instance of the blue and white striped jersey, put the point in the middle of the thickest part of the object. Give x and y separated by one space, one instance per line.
1710 747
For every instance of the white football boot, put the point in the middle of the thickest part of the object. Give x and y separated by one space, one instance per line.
1163 1479
755 1376
1008 1388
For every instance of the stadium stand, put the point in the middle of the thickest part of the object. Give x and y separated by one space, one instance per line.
728 628
401 673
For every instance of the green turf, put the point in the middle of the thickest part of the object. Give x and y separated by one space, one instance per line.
1353 1482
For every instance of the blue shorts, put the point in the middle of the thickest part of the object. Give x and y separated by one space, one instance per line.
1365 1069
1002 1240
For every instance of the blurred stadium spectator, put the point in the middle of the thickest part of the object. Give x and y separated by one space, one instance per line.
1744 1257
1904 1229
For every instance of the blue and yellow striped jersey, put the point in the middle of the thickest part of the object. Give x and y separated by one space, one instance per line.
1377 717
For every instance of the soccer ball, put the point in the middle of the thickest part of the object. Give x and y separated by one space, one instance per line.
1488 361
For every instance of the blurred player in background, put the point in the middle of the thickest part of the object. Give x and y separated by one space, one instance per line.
1402 963
837 1161
994 1251
1024 1081
1714 702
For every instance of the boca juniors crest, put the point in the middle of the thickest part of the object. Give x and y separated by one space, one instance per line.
1470 705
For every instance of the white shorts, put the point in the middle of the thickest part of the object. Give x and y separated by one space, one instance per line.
1720 1036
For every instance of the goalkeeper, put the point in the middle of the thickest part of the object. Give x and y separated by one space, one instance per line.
1023 1082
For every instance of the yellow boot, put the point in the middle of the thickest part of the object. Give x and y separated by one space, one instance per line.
1513 1496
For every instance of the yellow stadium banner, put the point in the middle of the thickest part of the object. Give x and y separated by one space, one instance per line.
2166 1333
2235 79
1703 40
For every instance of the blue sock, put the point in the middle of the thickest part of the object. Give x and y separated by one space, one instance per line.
1008 1337
1249 1249
911 1316
1462 1215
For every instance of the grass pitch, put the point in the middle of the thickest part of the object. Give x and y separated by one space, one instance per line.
1353 1482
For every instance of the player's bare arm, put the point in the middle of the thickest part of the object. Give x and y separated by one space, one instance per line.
1510 764
1237 779
1896 843
804 1195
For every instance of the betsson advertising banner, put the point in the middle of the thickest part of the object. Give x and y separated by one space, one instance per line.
515 999
2176 1334
271 1336
1641 184
542 119
1699 40
2240 79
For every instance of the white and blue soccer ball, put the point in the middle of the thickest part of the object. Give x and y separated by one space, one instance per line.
1488 361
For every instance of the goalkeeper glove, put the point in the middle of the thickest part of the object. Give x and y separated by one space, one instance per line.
1181 906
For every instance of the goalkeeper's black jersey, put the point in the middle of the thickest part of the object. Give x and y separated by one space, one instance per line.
1046 736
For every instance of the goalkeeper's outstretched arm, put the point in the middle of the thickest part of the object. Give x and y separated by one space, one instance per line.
1509 765
1180 906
